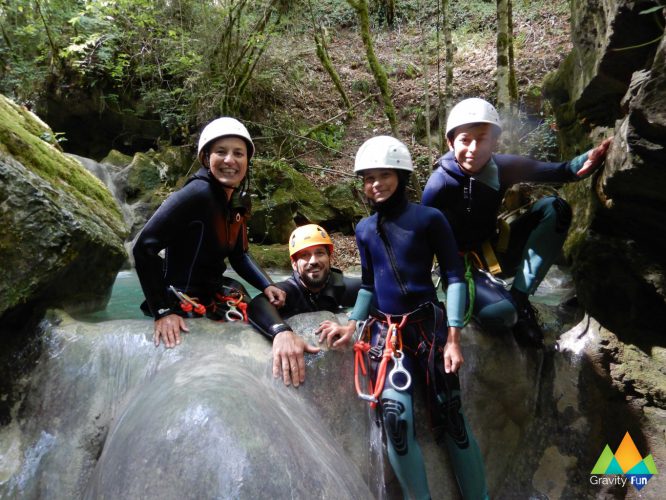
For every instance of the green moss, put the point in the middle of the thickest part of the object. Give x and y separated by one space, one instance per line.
144 176
117 159
271 256
20 133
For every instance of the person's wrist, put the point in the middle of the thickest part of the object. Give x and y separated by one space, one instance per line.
278 328
163 312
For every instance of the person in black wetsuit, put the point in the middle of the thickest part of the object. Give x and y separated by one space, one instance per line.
397 245
313 286
198 227
468 185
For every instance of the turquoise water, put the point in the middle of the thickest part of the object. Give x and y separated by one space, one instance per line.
126 297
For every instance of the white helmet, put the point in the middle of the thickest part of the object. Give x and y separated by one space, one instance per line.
473 110
222 127
383 151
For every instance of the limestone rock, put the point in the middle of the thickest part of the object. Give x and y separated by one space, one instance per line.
615 77
62 241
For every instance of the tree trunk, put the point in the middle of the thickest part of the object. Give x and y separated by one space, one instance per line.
444 98
389 5
381 79
426 80
322 54
507 92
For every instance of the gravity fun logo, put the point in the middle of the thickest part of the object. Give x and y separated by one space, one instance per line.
625 465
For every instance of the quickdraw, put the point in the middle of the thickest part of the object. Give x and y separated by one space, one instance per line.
187 303
392 351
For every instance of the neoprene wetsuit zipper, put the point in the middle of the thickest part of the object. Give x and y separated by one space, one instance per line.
467 193
391 255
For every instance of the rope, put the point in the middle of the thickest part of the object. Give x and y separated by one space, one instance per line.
471 289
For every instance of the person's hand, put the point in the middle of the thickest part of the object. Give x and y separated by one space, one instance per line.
453 358
288 358
275 295
335 334
168 329
595 157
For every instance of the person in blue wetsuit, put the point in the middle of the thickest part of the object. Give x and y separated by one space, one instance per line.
198 227
468 185
397 245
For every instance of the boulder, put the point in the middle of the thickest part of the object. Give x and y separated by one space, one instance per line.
283 198
615 78
106 414
62 241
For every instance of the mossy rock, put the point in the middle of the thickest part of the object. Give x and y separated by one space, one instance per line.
144 175
271 256
179 162
283 198
63 232
117 159
20 138
345 198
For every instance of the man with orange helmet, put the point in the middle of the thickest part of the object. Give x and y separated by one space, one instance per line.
314 286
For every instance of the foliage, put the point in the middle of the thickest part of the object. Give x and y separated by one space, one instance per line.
185 61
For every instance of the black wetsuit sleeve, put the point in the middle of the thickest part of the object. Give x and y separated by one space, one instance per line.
167 223
245 265
265 317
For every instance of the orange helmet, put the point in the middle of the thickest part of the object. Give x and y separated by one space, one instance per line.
308 236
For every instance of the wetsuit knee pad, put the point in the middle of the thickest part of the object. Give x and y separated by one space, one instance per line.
449 407
398 419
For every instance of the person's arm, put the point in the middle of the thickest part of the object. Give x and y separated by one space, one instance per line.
245 265
165 224
586 164
337 335
433 192
451 265
288 349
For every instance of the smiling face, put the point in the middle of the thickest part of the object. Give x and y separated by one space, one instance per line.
313 265
473 145
379 184
227 160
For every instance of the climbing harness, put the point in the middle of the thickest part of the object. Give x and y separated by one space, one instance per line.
392 350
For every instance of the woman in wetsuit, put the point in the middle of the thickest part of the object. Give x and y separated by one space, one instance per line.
198 227
397 245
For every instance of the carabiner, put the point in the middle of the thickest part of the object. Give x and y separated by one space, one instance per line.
360 326
398 369
494 279
233 314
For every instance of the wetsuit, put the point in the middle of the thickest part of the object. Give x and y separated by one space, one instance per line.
397 246
471 205
199 227
338 293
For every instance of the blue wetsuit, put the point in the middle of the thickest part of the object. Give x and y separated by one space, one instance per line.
397 247
199 227
471 205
